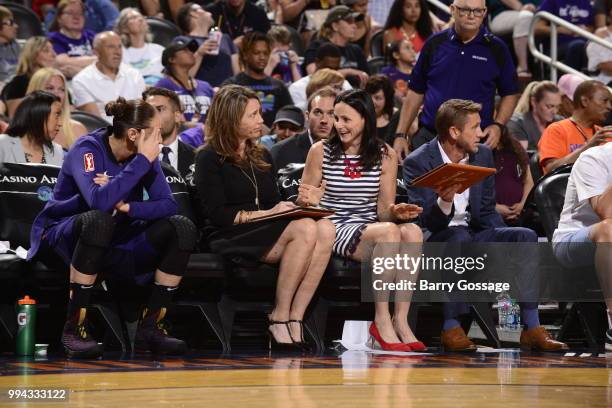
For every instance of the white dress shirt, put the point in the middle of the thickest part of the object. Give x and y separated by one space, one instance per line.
173 154
461 201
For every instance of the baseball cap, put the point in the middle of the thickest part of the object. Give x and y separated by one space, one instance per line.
341 13
178 44
291 114
568 84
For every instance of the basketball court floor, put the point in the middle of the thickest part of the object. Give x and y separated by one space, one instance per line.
335 379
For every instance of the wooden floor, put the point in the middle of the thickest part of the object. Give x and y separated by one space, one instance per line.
353 380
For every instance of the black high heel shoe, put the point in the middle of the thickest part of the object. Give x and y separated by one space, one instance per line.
301 343
273 343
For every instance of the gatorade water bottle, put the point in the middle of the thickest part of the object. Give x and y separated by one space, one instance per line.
26 326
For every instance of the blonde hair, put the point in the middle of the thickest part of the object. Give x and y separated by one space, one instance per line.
121 26
536 90
38 82
30 51
322 78
222 122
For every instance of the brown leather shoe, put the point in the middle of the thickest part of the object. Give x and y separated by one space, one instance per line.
538 339
456 340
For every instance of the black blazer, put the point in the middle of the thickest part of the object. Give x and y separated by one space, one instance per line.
186 155
292 150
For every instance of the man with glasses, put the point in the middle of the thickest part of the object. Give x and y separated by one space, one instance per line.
9 49
320 118
462 62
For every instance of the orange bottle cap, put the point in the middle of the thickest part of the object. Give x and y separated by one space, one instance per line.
26 301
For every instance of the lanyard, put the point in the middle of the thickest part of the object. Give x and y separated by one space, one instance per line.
586 139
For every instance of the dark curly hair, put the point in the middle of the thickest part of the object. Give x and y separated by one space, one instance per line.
396 17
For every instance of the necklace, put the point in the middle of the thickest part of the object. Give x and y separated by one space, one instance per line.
351 170
586 139
253 182
28 158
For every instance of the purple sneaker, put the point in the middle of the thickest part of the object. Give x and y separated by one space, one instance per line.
77 343
152 336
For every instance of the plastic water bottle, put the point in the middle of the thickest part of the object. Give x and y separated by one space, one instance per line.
503 309
216 35
515 312
26 326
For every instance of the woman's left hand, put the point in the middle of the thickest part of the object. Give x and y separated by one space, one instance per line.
101 179
405 211
123 207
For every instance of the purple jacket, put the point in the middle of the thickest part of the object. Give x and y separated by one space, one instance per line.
131 181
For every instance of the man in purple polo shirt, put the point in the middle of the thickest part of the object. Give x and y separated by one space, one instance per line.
463 62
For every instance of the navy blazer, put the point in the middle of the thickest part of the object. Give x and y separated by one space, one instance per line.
481 208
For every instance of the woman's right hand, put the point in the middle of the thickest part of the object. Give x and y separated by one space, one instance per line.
280 207
149 145
310 195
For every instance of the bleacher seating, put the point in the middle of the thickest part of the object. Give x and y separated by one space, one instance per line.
29 23
163 31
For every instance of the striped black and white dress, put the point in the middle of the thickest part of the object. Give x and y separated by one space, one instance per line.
354 199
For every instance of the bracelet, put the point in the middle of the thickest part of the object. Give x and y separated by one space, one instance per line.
399 134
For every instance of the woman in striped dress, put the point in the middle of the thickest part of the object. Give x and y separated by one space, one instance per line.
354 173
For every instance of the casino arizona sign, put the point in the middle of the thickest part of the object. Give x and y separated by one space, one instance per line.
28 179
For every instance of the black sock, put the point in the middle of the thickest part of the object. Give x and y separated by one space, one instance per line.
161 297
80 296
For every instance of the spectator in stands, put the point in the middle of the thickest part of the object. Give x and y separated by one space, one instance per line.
563 141
254 55
322 78
354 160
283 62
107 171
514 17
289 122
600 57
537 108
178 60
601 12
215 61
100 15
53 81
442 73
72 43
571 48
239 17
408 20
29 137
470 217
513 180
236 184
106 79
328 56
293 12
583 236
567 85
401 57
380 89
9 49
339 29
175 153
320 120
138 50
37 53
365 25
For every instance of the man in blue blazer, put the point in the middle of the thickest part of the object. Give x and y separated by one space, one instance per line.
470 216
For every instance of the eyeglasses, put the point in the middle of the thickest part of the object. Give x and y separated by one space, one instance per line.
73 13
289 126
465 11
10 22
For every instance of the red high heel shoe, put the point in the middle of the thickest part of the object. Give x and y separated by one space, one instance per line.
417 346
377 338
